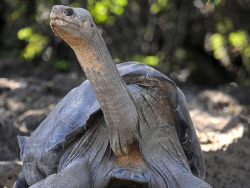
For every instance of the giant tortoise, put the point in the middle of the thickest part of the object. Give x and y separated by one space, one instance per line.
126 126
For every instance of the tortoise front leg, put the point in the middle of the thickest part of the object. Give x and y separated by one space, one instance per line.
21 182
74 175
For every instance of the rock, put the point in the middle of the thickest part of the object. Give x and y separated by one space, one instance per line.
7 65
9 171
8 141
30 119
61 84
12 84
219 102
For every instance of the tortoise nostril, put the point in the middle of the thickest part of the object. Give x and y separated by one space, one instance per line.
68 12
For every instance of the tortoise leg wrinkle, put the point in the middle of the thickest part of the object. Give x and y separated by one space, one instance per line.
75 175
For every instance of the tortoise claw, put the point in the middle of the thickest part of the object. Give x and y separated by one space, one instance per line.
120 143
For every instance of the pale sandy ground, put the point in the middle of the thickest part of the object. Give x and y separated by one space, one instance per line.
221 118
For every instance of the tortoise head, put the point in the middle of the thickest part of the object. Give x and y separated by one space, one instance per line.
74 25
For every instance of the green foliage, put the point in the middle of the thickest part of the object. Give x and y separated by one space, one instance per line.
36 43
238 39
102 10
180 53
149 60
75 4
218 42
247 51
160 33
61 65
25 33
15 15
158 6
215 1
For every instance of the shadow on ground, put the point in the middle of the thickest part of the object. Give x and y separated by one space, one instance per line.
221 117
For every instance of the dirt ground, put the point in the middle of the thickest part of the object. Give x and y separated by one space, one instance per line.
221 117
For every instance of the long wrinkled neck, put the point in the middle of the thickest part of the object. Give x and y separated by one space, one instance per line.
102 73
100 70
110 90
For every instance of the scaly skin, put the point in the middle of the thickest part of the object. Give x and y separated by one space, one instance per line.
81 33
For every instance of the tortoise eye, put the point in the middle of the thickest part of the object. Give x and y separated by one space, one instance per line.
68 12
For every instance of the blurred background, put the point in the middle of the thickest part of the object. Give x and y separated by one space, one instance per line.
196 41
204 46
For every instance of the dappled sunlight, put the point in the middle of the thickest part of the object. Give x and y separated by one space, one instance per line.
102 10
158 6
203 45
14 105
229 41
218 43
43 13
219 119
36 43
238 39
12 84
210 128
220 103
149 60
204 8
212 141
23 122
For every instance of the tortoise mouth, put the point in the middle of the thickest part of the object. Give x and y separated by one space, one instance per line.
118 183
59 21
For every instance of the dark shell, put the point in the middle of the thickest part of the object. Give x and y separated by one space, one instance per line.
76 112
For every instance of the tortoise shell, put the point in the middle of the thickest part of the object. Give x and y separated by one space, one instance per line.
79 109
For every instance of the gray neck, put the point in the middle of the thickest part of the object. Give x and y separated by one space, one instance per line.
110 89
